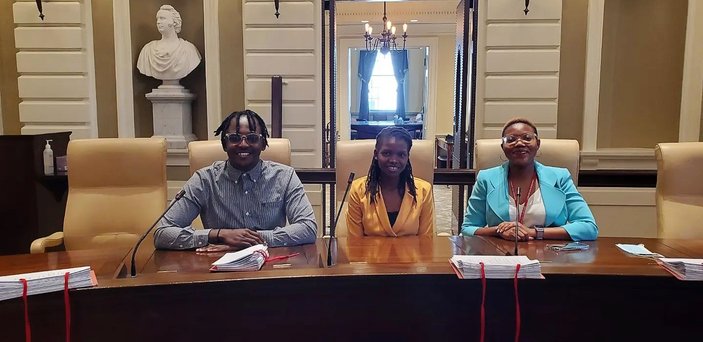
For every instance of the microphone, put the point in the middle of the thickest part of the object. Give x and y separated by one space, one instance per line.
333 229
517 215
133 271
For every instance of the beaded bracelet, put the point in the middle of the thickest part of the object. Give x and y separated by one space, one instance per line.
217 237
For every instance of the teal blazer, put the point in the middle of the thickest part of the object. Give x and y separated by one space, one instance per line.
564 206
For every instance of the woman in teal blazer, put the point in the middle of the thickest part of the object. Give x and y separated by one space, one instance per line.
550 206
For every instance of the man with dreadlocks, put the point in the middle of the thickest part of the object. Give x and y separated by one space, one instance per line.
390 201
242 201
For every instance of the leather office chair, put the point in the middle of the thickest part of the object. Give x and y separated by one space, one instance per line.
116 189
679 194
355 156
552 152
204 153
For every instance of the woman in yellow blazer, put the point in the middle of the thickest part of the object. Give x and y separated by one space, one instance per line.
390 201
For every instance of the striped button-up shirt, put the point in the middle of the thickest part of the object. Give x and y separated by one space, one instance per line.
226 198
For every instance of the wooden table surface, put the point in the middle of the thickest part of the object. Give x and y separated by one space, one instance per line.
376 289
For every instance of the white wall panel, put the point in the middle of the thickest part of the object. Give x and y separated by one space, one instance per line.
497 113
522 61
294 13
281 64
301 139
518 68
305 159
52 86
54 13
513 9
522 87
294 38
294 114
56 79
54 111
523 34
295 90
288 46
48 38
51 62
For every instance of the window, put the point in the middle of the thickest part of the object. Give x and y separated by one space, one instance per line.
383 86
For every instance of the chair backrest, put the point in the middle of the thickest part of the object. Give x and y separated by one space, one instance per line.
204 153
116 189
679 195
355 156
552 152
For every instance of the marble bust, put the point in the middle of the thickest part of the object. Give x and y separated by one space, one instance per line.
171 57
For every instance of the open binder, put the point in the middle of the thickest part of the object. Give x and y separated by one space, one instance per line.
248 259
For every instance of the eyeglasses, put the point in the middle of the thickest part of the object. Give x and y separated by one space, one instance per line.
527 138
236 138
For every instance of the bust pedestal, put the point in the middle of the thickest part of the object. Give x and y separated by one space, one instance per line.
171 104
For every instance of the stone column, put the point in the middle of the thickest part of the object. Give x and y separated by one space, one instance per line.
171 104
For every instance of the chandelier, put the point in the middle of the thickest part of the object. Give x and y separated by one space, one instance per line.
386 40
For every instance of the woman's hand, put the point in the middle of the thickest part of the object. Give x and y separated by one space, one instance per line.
506 230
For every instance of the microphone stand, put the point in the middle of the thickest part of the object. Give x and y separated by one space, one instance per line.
517 215
133 270
336 220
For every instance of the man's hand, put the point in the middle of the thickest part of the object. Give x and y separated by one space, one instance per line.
215 249
237 238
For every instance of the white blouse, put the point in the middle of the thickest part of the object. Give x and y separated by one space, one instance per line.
535 214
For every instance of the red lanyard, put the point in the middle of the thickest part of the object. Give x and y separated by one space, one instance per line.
529 191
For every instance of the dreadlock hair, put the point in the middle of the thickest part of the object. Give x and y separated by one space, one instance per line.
406 176
253 119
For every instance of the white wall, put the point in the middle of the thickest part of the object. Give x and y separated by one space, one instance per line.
55 64
518 65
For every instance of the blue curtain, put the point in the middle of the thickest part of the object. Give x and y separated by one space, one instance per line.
400 69
367 59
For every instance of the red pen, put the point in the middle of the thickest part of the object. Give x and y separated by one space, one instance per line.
281 257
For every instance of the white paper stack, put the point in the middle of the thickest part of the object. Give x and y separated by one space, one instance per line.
496 267
638 250
47 281
248 259
683 269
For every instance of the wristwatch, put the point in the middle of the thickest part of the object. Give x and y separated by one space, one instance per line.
539 233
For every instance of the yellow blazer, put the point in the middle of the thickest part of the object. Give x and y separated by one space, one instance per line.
371 219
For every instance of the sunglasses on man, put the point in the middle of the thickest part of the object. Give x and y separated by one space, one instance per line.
236 138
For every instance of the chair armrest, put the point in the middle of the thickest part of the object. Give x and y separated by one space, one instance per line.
39 245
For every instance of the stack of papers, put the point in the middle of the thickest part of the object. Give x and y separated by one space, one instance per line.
47 281
496 267
683 269
638 250
249 259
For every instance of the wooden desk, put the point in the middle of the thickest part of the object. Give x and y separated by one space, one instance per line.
379 289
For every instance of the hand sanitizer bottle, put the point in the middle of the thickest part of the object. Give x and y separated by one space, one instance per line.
48 159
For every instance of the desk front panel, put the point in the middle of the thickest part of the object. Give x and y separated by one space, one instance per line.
379 289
